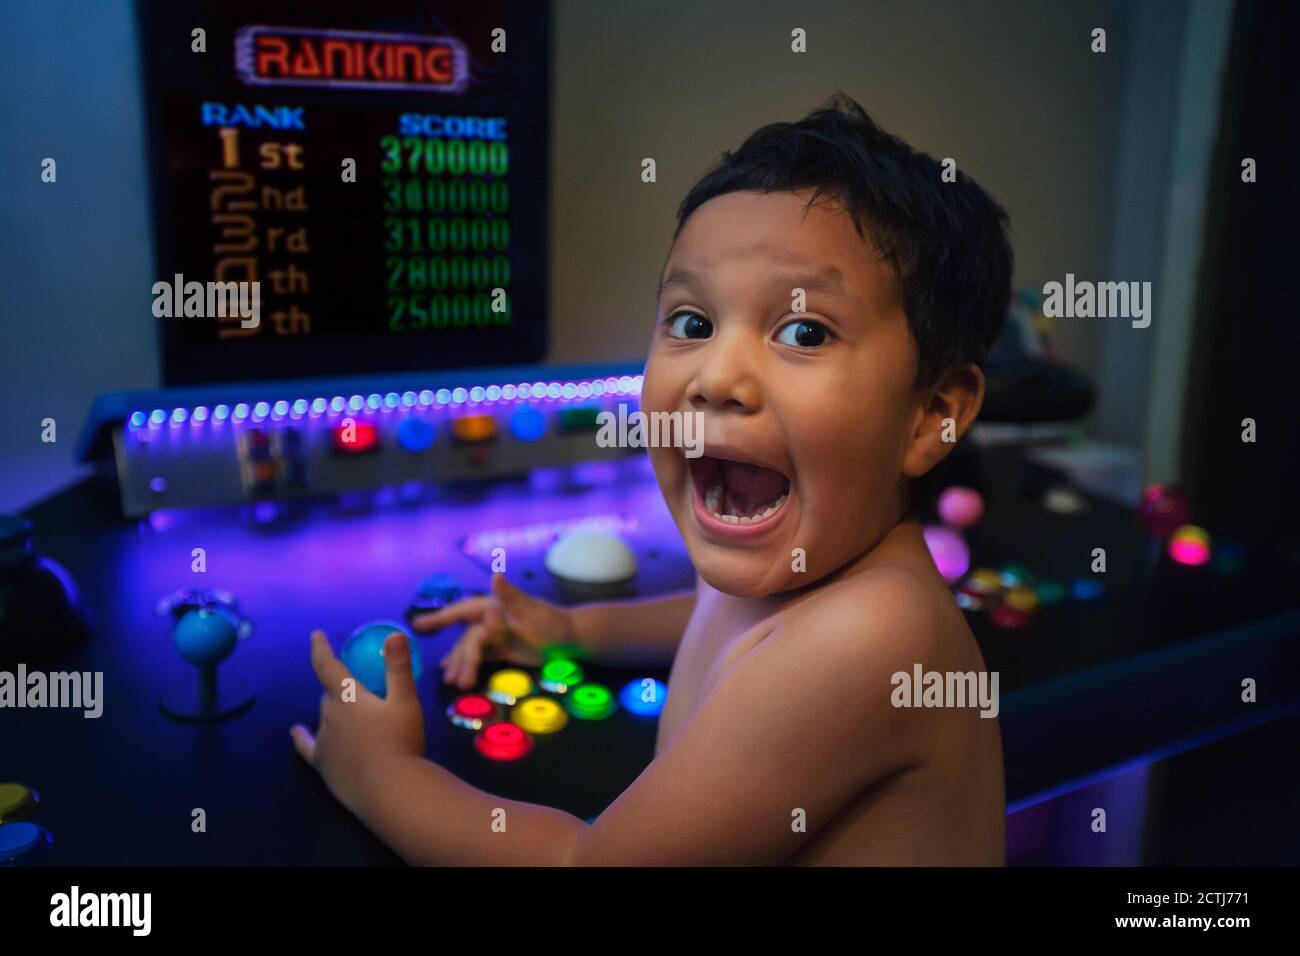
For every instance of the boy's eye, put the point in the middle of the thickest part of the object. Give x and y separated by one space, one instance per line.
804 334
688 325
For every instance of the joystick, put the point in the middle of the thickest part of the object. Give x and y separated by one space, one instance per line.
436 592
207 629
41 615
363 654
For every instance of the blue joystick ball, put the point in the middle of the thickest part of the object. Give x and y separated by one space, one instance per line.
205 636
363 654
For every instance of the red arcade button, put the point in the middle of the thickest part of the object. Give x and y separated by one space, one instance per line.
1010 618
355 437
503 742
471 711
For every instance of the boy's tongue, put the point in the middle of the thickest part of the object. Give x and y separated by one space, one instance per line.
752 486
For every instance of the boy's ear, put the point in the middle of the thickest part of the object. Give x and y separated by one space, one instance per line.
949 410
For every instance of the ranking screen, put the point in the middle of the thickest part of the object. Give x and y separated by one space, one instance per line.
377 170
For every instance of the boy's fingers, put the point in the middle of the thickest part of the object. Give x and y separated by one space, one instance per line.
472 637
527 655
398 674
512 610
471 654
329 669
504 591
495 621
304 743
450 663
462 612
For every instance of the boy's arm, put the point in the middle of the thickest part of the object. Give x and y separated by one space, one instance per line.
510 624
633 632
802 721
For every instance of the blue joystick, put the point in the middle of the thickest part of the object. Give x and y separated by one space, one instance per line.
205 635
363 654
436 592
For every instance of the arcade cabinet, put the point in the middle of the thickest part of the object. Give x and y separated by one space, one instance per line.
350 217
351 234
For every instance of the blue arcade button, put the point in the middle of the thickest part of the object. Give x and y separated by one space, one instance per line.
416 434
22 842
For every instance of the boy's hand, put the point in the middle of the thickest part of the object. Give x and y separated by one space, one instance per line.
354 732
506 625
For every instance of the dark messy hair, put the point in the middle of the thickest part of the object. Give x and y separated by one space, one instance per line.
946 241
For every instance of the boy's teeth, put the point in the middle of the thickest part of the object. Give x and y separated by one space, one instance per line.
713 500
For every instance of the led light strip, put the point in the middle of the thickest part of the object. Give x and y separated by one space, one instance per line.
338 405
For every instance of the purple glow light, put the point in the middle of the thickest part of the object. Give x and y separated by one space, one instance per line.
162 520
1190 545
949 551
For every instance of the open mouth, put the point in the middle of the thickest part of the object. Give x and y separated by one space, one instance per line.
740 494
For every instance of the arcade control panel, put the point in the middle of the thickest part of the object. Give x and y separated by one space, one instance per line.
220 445
205 667
1085 679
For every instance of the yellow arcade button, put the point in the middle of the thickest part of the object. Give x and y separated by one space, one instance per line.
16 801
508 686
985 581
474 428
539 715
1022 598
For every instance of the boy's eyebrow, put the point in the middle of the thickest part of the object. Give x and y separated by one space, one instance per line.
680 277
830 281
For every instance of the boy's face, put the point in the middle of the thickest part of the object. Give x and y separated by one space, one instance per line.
807 413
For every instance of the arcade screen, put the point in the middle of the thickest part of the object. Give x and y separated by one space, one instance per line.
378 168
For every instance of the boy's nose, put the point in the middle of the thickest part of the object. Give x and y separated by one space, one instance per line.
726 379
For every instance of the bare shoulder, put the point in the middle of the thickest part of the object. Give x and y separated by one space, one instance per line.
856 636
886 617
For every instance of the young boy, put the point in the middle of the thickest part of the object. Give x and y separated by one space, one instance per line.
825 306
